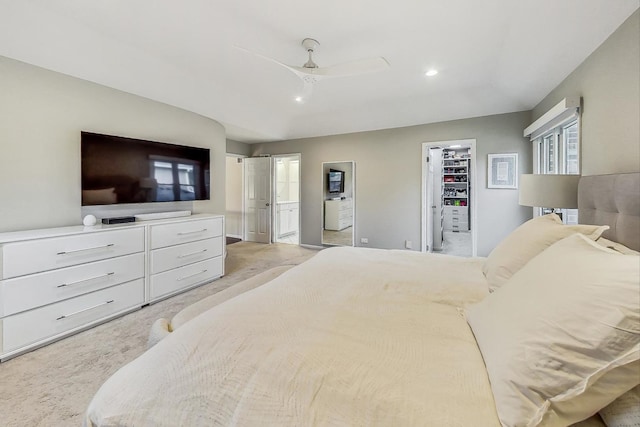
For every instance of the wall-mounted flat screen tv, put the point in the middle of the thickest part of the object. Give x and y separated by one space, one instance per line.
335 181
118 170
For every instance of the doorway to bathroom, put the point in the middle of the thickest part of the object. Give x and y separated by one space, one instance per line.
286 212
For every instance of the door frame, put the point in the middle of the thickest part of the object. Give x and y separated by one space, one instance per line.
425 186
274 210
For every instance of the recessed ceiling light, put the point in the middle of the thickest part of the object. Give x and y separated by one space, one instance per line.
298 99
431 73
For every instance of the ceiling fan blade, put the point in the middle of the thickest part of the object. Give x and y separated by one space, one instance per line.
362 66
288 67
312 75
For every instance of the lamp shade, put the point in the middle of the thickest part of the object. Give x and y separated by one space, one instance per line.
549 191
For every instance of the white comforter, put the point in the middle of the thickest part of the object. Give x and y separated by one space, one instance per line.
351 337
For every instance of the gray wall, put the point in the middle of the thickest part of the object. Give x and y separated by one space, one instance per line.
42 114
388 174
609 83
239 148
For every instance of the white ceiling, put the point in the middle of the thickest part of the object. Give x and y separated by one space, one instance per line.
493 56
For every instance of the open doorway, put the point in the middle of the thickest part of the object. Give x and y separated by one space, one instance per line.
286 178
233 209
448 197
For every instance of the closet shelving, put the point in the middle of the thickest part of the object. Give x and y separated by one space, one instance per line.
455 190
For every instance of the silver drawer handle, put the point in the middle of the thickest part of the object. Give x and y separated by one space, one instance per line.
85 249
192 275
85 280
191 254
64 316
192 232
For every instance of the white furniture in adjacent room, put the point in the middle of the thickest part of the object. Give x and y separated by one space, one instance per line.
338 214
58 281
456 218
287 218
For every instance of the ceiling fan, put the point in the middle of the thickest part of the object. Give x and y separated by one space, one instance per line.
310 72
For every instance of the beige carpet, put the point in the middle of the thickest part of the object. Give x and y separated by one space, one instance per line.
53 385
343 237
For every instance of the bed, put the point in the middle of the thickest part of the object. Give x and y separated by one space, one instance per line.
544 333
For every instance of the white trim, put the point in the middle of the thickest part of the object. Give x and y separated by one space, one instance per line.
561 112
474 192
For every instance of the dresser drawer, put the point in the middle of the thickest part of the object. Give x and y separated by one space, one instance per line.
456 218
51 320
181 278
453 210
456 225
34 256
176 256
35 290
163 235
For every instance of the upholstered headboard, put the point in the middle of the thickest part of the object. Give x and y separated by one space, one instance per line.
612 200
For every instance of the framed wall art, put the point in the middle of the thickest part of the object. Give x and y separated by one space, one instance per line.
502 171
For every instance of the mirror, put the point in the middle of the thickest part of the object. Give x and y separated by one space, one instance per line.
338 207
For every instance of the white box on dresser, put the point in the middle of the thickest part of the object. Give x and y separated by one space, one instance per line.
59 281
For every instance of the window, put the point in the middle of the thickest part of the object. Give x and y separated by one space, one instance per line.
558 152
175 179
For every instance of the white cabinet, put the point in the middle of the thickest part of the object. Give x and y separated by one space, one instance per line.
44 324
59 281
288 218
338 214
174 233
184 254
181 278
55 282
456 218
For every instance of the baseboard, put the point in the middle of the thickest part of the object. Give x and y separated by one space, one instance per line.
304 245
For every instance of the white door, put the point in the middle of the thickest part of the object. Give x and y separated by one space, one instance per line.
430 207
257 199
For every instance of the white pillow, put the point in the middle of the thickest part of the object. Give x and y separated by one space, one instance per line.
625 410
562 339
527 241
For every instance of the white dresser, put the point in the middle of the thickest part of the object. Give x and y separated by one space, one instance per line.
338 214
184 254
55 282
456 218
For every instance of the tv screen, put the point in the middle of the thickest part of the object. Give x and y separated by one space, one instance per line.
125 170
336 181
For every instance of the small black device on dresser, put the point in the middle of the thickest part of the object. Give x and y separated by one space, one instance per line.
118 220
